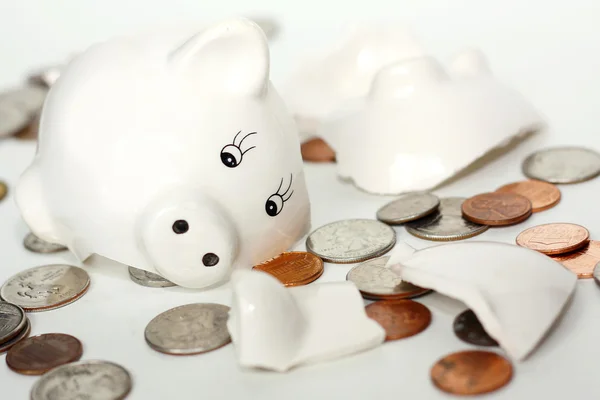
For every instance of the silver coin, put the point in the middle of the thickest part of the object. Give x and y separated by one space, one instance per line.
12 321
409 207
29 99
597 274
12 119
375 281
351 241
562 165
148 279
22 334
37 245
46 287
445 225
90 380
190 329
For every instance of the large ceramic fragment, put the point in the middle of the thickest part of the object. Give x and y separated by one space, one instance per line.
421 124
516 293
277 328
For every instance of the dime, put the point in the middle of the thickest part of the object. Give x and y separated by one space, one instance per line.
556 238
148 279
376 282
446 224
294 268
351 241
317 150
90 380
409 207
471 372
20 336
562 165
497 209
399 318
582 261
38 354
12 321
46 287
37 245
3 190
468 329
189 329
597 274
543 195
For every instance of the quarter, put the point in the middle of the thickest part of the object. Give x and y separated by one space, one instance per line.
409 207
582 261
38 354
543 195
497 209
557 238
12 321
148 279
37 245
562 165
468 329
399 318
293 268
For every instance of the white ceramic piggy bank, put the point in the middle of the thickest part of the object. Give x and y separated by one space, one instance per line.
170 152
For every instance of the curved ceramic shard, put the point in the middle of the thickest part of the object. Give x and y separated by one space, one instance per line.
420 124
516 293
277 328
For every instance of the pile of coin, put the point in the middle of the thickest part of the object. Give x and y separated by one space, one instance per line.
14 325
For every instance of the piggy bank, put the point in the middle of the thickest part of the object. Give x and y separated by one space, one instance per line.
171 152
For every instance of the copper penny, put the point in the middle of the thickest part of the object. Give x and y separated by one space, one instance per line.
543 195
468 329
295 268
399 318
557 238
496 209
39 354
3 190
20 336
317 150
471 372
582 261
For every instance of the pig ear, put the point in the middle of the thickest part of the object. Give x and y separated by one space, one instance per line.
231 57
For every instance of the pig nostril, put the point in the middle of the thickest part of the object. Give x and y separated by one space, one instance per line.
210 259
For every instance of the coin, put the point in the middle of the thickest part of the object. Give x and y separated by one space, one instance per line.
399 318
543 195
351 241
597 274
148 279
468 329
582 261
12 321
38 354
190 329
408 207
46 287
31 130
376 282
20 336
446 224
11 119
3 190
496 209
37 245
555 238
317 150
90 380
294 268
471 372
562 165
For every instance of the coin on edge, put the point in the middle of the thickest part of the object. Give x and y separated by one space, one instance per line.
582 261
468 328
46 288
351 241
20 336
497 209
3 190
471 372
293 268
376 282
148 279
37 245
408 207
12 321
92 380
543 195
189 329
597 274
38 354
399 318
557 238
562 165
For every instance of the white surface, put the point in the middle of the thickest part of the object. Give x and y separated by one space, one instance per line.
548 50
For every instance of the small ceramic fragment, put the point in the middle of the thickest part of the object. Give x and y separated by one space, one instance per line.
277 328
516 293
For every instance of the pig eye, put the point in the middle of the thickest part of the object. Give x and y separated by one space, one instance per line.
180 226
275 202
232 154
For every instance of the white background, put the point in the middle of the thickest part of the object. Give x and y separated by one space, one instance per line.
546 49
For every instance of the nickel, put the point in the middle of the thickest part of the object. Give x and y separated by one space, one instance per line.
497 209
582 261
37 245
562 165
38 354
148 279
399 318
558 238
294 268
407 208
468 329
543 195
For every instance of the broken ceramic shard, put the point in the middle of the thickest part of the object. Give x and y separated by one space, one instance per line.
277 328
421 124
163 178
516 293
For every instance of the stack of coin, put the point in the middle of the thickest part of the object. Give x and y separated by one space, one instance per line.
14 325
294 268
